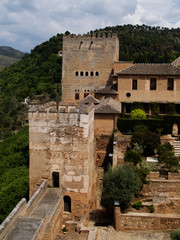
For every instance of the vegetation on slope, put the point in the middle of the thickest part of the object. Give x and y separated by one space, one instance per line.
37 73
141 43
14 180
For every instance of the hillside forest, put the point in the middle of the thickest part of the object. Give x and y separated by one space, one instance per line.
38 75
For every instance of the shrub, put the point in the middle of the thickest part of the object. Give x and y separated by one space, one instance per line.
122 184
137 205
166 155
175 235
173 170
138 114
151 209
132 156
142 172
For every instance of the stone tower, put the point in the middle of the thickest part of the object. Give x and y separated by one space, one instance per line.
87 64
61 143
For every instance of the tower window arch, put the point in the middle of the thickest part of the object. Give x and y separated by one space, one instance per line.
81 73
92 73
86 74
97 74
76 73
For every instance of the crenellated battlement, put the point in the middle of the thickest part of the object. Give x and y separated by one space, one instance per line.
60 115
89 36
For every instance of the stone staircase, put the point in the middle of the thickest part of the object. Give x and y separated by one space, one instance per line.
176 145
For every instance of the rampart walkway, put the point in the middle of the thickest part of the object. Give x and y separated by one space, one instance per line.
28 227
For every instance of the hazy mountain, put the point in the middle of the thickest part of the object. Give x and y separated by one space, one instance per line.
8 56
11 52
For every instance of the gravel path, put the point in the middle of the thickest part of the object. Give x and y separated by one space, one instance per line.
108 233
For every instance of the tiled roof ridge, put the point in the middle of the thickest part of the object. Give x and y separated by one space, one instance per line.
125 68
90 95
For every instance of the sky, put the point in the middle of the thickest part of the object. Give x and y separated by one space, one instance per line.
27 23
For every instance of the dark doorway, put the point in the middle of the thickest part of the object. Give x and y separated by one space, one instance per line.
55 176
67 204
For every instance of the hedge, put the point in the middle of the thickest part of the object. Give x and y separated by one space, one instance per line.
162 126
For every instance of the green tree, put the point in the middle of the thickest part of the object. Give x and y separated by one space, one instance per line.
121 183
166 155
175 235
145 138
132 156
138 114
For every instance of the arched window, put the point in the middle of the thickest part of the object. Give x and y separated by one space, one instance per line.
76 73
97 74
55 176
67 204
76 94
86 74
92 73
81 73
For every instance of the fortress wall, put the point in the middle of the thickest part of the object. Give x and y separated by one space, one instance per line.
18 211
55 221
36 197
63 141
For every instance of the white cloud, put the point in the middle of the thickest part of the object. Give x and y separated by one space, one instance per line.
24 24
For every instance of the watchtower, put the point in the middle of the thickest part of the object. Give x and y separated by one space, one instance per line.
87 63
61 147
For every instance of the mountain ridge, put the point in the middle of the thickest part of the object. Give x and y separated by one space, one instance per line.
11 52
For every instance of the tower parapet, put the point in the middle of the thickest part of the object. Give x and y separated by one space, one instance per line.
61 115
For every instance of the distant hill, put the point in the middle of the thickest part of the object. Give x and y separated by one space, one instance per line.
11 52
8 56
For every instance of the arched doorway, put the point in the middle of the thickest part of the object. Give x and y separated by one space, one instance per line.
55 176
67 204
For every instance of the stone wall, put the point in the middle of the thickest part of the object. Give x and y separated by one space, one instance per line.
18 211
87 63
121 142
162 189
144 221
62 141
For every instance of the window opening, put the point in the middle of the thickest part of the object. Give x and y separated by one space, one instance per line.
153 84
55 176
81 73
92 73
80 44
134 84
91 43
170 84
86 93
97 74
67 204
77 96
76 73
86 74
